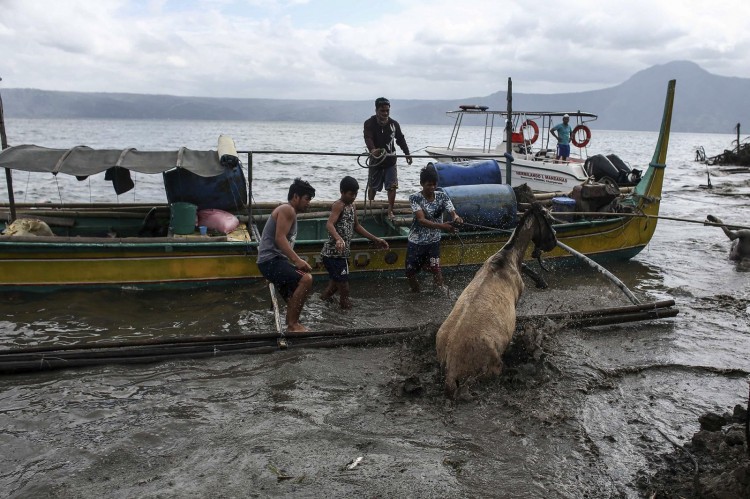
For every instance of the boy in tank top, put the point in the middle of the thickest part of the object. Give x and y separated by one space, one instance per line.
341 226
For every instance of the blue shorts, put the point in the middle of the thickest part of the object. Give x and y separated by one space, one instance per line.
282 274
419 256
380 177
338 268
563 150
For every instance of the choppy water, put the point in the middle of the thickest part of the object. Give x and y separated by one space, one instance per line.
579 423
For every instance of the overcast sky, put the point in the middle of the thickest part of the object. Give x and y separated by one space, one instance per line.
353 50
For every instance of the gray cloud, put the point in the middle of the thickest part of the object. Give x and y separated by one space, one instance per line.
435 49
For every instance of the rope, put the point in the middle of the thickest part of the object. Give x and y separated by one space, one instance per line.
643 215
368 164
484 227
463 249
369 159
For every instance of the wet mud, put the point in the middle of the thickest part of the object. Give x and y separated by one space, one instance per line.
577 413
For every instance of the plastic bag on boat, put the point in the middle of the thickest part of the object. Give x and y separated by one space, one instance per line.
218 220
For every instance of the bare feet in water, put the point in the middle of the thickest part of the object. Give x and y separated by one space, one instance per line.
293 329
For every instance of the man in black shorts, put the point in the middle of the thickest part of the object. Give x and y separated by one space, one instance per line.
277 260
381 136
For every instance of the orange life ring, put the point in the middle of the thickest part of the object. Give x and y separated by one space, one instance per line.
586 133
534 126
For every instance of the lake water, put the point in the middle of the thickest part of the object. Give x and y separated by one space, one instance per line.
585 421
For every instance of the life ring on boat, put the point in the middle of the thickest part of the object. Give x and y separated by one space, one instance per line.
587 136
534 127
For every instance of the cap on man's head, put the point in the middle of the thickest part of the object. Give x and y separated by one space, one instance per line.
382 101
566 116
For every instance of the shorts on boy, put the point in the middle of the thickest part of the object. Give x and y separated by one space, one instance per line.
563 150
282 274
419 256
380 177
338 268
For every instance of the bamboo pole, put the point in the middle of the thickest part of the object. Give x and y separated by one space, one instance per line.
738 139
269 338
508 133
276 315
542 196
72 357
325 214
326 205
591 263
658 307
84 206
80 213
8 173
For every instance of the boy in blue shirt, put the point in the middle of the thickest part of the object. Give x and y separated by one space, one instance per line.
341 226
423 248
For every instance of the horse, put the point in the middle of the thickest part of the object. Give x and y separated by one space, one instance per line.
471 341
740 240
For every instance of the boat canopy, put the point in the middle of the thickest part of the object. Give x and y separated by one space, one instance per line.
557 114
83 161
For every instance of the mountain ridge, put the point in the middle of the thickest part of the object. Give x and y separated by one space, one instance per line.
704 102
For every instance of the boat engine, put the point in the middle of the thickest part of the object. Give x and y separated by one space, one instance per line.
611 169
627 175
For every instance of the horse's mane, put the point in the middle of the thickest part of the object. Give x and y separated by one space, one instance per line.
501 257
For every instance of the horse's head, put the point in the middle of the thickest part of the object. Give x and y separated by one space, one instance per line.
544 238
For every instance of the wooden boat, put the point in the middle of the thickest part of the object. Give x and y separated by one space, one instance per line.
95 247
532 148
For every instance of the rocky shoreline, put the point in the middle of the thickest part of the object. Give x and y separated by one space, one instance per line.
714 464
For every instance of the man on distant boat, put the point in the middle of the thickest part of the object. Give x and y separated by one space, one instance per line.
277 260
381 136
562 133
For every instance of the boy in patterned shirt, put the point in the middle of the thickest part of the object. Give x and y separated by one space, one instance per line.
423 249
341 225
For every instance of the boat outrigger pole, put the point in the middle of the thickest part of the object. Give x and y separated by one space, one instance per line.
509 133
8 175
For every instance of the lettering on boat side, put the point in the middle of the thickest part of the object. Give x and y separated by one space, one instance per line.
555 179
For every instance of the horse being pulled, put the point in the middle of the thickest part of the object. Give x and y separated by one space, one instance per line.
472 340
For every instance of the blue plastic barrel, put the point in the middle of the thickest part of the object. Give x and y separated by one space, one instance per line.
468 173
489 205
563 204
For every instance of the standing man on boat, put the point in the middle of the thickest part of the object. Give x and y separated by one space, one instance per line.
382 133
562 132
277 260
